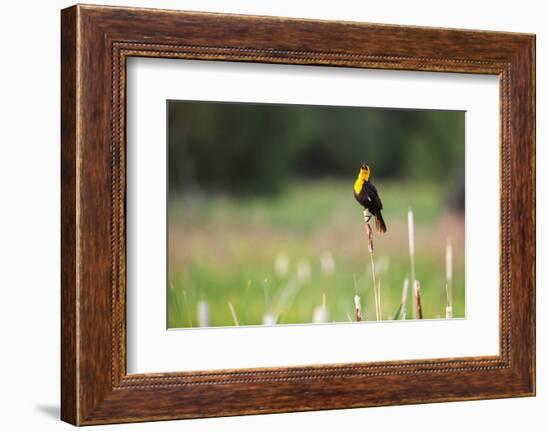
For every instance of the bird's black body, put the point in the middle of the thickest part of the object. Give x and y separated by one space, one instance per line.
369 199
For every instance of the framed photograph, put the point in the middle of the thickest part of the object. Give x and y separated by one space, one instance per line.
264 215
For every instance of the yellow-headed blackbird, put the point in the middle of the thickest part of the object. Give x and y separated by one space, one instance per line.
367 195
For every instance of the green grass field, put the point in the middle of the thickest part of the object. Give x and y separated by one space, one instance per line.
281 255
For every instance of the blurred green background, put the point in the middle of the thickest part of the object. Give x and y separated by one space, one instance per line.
263 226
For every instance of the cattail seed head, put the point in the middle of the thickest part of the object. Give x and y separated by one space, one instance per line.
320 314
449 275
269 319
449 261
405 292
404 296
358 315
203 314
281 265
418 299
327 262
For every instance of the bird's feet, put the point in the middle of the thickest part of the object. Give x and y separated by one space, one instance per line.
367 215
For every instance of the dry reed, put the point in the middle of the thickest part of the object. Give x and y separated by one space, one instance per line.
375 287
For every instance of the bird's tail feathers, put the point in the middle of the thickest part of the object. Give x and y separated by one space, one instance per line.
379 222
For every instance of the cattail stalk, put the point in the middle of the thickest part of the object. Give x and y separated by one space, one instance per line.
449 284
404 296
375 287
410 218
379 302
418 299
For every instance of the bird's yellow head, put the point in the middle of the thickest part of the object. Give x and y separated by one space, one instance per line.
364 172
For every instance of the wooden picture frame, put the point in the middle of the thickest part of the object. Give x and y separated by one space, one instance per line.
95 43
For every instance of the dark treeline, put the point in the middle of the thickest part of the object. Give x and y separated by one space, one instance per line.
257 148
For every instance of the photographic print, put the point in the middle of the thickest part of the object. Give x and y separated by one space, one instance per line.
299 214
258 192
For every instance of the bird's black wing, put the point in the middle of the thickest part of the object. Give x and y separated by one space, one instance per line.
371 194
